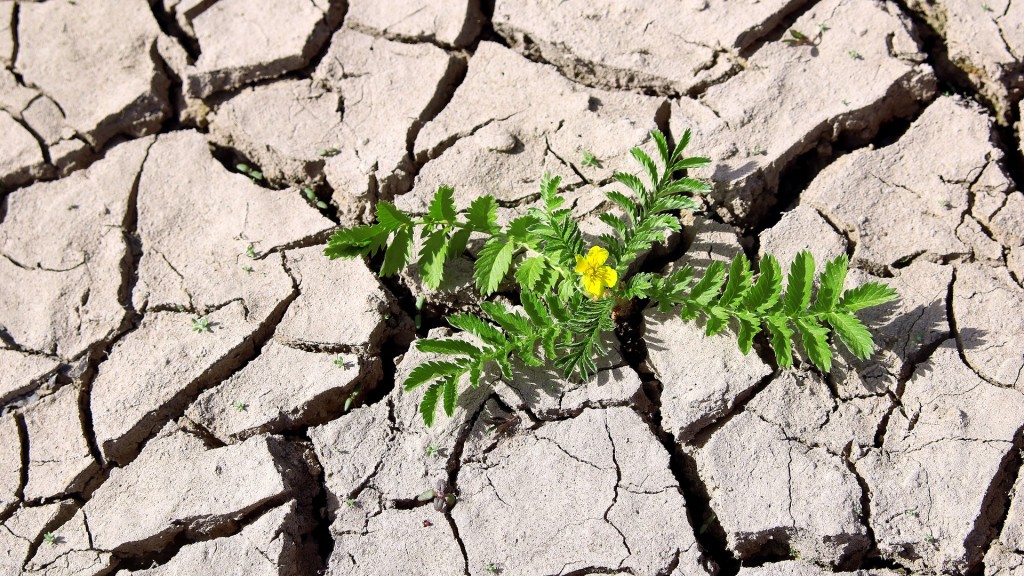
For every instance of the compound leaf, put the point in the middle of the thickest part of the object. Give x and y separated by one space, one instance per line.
442 207
798 287
492 265
852 333
866 295
398 253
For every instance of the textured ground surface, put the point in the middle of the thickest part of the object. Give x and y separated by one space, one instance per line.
276 443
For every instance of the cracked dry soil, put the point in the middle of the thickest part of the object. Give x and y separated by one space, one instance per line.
274 441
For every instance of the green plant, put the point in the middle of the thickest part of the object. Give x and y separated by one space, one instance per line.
201 324
328 152
247 269
311 196
240 406
432 450
49 538
249 171
342 362
855 55
250 251
350 502
798 38
572 296
491 568
590 160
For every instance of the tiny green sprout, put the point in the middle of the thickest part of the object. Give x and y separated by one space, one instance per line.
912 512
351 399
49 538
240 406
945 204
491 568
855 55
201 324
249 171
432 450
590 160
73 207
250 251
822 28
846 102
311 196
930 538
426 496
180 308
986 7
798 38
342 362
328 152
758 151
350 502
247 269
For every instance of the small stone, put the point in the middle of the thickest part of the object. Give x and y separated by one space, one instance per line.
59 461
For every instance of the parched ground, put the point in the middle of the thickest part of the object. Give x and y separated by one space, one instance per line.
134 442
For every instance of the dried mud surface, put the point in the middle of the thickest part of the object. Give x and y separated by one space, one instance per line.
187 386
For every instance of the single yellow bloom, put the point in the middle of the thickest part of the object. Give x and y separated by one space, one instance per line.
596 276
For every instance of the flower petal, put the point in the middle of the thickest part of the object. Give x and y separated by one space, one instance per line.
592 285
608 276
582 265
597 256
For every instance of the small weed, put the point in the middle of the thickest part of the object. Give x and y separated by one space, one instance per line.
798 38
492 569
240 406
49 538
250 251
590 160
912 512
247 269
986 7
342 362
443 499
311 196
432 450
249 171
351 399
328 152
930 538
855 55
350 502
945 204
201 324
846 102
758 151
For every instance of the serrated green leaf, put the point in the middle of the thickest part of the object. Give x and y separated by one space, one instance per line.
705 290
830 284
492 264
442 207
430 370
866 295
483 214
684 141
549 191
747 331
798 286
815 340
476 371
513 323
478 327
688 185
659 140
614 222
648 165
521 227
457 243
398 253
689 163
717 318
448 346
530 271
391 218
428 405
639 285
782 340
432 257
739 281
535 309
766 291
624 203
852 334
352 242
631 182
451 394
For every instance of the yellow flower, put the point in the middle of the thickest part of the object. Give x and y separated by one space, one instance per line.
596 276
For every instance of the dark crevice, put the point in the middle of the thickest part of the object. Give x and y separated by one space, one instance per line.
19 420
786 19
994 507
170 27
321 532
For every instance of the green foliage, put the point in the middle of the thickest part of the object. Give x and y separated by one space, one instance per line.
562 321
200 325
49 537
249 171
